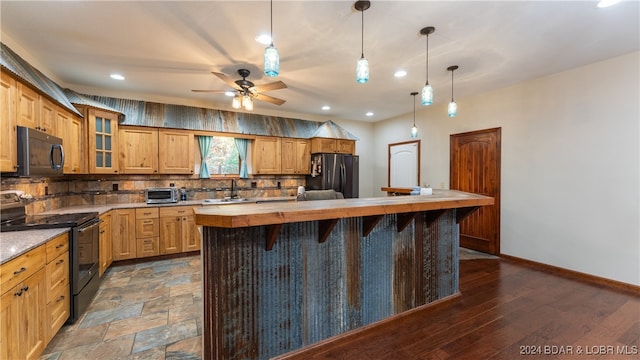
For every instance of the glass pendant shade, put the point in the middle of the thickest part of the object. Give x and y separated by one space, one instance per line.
271 61
362 71
452 109
414 131
235 103
247 103
426 97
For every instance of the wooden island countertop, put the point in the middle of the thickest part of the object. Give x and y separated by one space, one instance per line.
245 215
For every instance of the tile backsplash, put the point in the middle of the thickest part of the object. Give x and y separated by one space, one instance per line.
56 192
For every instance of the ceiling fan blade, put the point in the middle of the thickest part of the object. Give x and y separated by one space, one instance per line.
211 91
269 99
270 86
227 80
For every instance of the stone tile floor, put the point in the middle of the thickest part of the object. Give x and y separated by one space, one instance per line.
149 310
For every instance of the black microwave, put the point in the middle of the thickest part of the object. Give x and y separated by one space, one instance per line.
39 154
161 195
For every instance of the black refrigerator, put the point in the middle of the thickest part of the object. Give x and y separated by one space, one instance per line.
334 171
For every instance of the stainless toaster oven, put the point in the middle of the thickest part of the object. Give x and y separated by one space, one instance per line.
161 195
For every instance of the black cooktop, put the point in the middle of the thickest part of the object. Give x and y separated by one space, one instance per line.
32 222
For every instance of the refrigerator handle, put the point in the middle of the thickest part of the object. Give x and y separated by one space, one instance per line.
343 178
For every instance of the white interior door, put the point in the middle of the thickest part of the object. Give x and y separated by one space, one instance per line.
404 164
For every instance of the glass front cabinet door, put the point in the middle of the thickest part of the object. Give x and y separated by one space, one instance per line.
103 155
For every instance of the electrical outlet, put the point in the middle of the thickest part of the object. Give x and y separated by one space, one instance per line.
254 184
441 184
279 186
115 187
46 190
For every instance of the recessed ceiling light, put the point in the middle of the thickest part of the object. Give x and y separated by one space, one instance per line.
607 3
326 107
369 113
230 93
400 73
264 39
117 76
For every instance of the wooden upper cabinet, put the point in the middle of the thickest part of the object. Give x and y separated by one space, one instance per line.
176 151
48 117
266 155
28 113
138 152
103 141
296 156
333 146
71 130
323 145
8 123
345 146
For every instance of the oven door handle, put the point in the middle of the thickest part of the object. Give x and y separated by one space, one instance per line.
90 225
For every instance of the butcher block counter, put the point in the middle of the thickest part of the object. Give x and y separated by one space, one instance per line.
281 276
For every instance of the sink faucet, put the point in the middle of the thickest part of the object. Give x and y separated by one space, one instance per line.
234 194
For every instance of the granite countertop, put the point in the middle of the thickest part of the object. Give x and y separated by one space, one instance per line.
16 243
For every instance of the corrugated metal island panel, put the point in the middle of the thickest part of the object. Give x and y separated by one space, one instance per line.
259 304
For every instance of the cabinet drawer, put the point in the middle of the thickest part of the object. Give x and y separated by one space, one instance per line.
147 247
147 228
58 310
57 246
57 276
176 211
20 268
147 213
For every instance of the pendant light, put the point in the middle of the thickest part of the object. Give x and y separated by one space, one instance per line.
452 109
427 91
271 56
414 129
362 67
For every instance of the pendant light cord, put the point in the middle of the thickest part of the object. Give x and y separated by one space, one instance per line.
452 85
414 110
271 22
427 61
362 35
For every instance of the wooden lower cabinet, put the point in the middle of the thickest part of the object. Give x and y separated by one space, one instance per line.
23 308
147 232
123 236
178 232
57 281
106 243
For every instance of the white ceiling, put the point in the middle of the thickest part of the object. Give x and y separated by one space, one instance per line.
165 48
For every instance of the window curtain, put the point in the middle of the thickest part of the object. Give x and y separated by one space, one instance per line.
205 143
242 145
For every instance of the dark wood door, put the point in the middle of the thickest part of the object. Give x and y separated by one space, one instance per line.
475 167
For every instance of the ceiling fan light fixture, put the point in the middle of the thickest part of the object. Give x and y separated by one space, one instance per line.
271 56
236 103
362 66
452 109
414 128
426 96
247 103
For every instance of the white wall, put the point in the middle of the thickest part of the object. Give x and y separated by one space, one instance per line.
570 164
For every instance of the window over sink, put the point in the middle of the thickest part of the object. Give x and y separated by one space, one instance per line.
223 158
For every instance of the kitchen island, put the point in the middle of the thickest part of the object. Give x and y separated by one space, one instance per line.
281 276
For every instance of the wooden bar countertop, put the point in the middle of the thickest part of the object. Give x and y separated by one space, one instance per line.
245 215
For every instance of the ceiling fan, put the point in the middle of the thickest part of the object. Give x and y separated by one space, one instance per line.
248 88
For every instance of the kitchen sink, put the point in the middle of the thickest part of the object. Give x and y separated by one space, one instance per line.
226 201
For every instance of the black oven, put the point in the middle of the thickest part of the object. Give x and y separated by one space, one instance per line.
83 276
84 242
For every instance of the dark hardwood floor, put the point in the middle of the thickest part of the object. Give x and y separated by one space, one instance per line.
508 310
